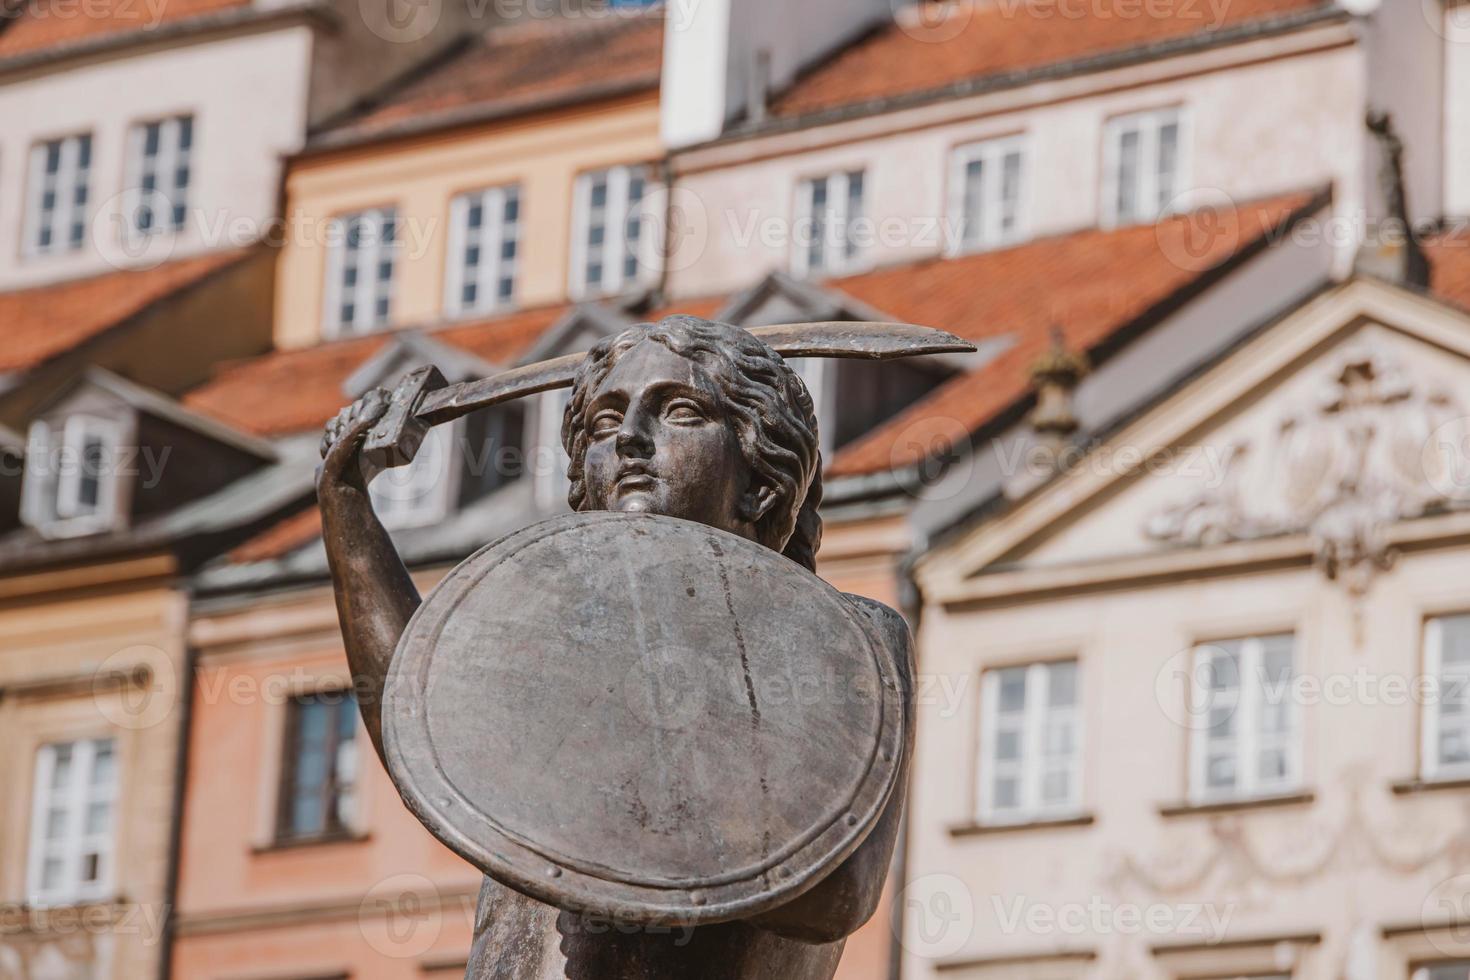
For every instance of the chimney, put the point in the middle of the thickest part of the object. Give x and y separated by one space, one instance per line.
723 58
1390 250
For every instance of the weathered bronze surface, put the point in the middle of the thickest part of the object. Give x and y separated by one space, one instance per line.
703 423
677 765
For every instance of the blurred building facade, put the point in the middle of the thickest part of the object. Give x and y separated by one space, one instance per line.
1146 195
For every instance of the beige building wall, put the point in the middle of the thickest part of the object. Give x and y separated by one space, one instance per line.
544 154
92 653
1262 118
1359 869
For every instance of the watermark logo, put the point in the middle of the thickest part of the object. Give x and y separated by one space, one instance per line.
136 687
937 451
1445 915
934 916
401 21
401 917
1205 230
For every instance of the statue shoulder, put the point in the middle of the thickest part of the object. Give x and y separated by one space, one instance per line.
891 626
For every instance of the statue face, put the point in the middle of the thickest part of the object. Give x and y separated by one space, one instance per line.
660 442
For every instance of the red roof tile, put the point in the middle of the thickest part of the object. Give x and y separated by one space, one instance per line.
42 24
1089 285
979 38
1449 266
43 322
524 67
280 539
297 390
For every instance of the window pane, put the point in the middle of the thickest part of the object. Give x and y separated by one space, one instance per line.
1033 741
319 770
1012 689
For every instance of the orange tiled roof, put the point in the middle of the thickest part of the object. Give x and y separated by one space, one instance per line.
1449 266
979 39
294 391
43 24
281 538
1088 284
44 321
523 67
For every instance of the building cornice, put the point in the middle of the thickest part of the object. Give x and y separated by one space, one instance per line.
203 27
1320 31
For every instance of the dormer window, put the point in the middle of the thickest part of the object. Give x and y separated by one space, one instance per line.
72 478
421 492
550 462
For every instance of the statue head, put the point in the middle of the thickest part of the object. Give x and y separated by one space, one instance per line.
701 421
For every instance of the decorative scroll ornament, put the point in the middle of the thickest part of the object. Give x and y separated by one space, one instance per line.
1375 448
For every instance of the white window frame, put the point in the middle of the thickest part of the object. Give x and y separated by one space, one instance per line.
549 473
368 289
494 233
52 485
1250 696
71 176
819 374
1430 765
618 217
1035 715
422 492
990 232
164 166
76 798
850 256
1150 206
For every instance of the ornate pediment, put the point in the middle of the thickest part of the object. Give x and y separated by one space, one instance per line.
1372 446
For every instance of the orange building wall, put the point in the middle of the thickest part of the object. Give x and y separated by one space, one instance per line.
391 902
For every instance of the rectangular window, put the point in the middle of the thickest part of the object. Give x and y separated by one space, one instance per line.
829 210
360 265
1458 970
1445 749
550 462
56 199
319 773
1030 743
159 155
484 237
71 482
987 191
1246 737
612 250
73 816
1142 166
420 493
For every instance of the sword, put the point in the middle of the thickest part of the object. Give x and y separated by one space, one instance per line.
424 399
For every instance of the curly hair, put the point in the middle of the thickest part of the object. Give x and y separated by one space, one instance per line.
770 406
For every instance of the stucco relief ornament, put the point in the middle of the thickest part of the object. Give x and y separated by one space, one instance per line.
1367 453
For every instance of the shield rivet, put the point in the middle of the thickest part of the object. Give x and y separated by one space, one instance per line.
697 898
554 872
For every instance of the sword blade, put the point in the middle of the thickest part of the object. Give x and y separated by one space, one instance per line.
865 341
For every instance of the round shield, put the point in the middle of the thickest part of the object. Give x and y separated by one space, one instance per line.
645 718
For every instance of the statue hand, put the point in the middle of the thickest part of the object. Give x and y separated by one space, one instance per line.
342 459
